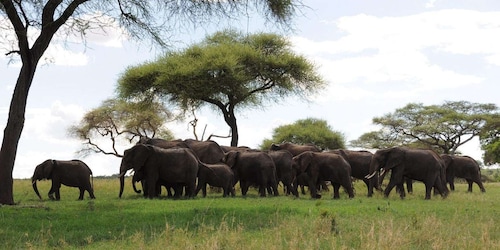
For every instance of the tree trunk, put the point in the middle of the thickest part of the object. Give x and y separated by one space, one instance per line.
231 121
13 130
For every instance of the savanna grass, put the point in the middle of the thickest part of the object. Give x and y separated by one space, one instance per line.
461 221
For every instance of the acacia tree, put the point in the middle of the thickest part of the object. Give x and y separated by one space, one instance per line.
117 120
307 131
34 23
442 127
228 70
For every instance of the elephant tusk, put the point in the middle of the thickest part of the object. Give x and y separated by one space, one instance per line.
121 175
382 172
371 175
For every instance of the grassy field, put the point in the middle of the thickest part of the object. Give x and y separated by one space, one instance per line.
461 221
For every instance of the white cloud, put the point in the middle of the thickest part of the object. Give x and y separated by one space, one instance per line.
49 125
395 51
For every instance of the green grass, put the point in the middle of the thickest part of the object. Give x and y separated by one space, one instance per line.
461 221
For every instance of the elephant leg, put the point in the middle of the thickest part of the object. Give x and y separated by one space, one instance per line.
51 193
469 188
313 189
480 184
225 191
336 192
201 185
389 188
91 193
428 189
401 188
368 187
178 187
452 184
152 186
292 190
276 190
204 190
82 191
169 191
262 190
409 185
244 187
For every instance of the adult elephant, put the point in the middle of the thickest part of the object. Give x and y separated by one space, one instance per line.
416 164
253 168
74 173
295 149
284 171
178 166
216 175
325 167
360 167
207 151
462 167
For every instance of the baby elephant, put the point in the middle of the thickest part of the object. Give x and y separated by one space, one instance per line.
216 175
73 173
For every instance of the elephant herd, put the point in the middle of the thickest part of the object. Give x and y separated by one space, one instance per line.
184 167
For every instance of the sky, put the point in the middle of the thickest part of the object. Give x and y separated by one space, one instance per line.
376 56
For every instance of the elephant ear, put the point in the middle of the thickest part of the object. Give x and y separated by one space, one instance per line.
48 168
447 159
395 157
141 155
231 157
305 160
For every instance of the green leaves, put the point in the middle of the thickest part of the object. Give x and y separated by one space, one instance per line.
442 127
310 130
229 70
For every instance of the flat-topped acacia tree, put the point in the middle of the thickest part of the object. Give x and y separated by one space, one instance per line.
229 70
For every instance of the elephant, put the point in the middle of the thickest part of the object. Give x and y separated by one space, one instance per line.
416 164
320 166
207 151
253 168
216 175
284 169
462 167
360 167
295 149
74 173
177 166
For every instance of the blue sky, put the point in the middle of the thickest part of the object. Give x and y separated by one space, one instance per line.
376 56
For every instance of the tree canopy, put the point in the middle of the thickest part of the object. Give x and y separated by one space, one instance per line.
307 131
490 141
33 25
441 127
229 70
118 120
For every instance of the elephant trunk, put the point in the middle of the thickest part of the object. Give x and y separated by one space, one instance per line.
122 183
35 188
135 188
